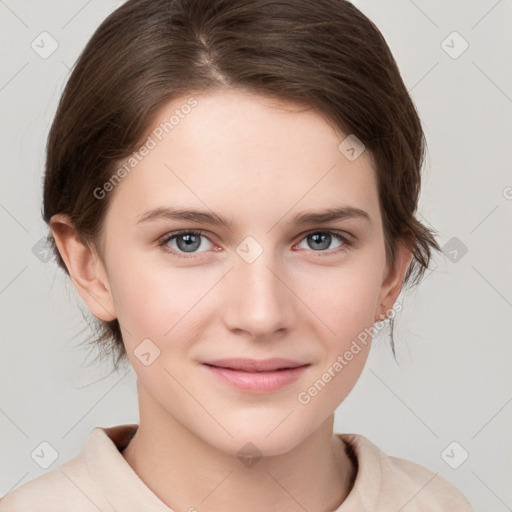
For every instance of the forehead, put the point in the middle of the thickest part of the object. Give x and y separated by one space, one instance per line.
237 152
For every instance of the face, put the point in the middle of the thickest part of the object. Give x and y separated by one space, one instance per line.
270 282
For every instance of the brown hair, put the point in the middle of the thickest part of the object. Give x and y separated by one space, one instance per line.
324 54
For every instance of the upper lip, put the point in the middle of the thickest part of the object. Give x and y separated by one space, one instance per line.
255 365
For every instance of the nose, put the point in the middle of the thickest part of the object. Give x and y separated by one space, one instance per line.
259 301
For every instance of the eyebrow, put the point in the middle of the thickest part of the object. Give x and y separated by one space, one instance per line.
330 215
186 215
205 217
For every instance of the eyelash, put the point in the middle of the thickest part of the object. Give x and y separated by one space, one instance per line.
347 242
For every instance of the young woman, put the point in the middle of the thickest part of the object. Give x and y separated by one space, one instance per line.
232 187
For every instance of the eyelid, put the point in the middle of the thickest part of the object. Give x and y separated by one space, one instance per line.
342 234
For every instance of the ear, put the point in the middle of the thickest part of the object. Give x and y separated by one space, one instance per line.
85 268
393 279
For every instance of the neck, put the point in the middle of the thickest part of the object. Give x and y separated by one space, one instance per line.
187 473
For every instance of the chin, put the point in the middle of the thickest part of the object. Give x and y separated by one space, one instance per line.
260 441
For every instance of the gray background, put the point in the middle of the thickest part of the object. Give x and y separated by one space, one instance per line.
453 381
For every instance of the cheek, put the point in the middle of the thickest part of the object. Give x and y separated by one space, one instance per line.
155 301
348 297
348 309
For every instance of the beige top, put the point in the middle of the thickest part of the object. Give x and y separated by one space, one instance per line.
99 478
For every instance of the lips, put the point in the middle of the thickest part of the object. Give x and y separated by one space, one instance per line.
256 375
255 365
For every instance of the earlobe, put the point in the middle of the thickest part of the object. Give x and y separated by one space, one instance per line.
393 281
84 267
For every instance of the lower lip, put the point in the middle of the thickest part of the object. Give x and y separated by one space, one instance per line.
258 382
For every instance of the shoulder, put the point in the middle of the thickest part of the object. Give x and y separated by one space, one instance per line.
64 488
398 484
74 485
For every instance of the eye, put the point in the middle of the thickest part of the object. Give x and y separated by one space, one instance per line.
321 240
189 241
184 242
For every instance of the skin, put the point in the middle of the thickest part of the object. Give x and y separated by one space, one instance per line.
258 163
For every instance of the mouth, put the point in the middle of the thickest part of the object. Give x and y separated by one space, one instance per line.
255 365
256 376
